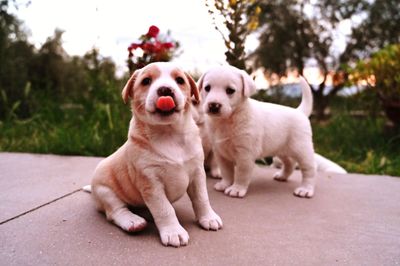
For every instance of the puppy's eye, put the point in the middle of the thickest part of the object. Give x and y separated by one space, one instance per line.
180 80
146 81
207 88
230 91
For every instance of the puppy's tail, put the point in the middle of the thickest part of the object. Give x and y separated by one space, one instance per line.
87 188
306 105
326 165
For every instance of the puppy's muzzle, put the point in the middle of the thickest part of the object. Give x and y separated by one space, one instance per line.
165 91
214 108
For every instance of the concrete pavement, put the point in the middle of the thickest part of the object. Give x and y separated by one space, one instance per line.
45 219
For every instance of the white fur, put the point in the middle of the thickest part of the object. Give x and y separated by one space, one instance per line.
87 188
210 162
245 129
161 160
322 164
326 165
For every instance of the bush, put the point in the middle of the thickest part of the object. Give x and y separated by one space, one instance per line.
96 129
382 73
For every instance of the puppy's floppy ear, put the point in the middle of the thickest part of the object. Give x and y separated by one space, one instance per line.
249 86
194 91
127 91
200 82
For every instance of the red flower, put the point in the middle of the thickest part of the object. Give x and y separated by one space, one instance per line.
154 49
148 47
168 45
133 46
158 47
153 32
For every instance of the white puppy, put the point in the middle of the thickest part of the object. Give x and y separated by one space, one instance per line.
161 160
244 129
210 163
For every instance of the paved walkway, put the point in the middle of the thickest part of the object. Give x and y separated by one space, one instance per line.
45 219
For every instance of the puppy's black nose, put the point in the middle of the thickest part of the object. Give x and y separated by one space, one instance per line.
165 91
214 108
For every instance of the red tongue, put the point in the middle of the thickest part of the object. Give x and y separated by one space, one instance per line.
165 103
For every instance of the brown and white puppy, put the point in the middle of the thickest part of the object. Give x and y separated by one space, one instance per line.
161 160
244 130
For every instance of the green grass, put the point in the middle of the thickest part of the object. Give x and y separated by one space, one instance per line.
360 145
69 131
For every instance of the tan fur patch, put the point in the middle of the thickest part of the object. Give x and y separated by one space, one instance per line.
139 136
140 90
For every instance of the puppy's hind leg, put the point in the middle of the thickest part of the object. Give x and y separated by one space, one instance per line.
286 169
116 210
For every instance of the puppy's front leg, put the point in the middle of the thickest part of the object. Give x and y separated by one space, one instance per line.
171 232
213 165
242 178
197 192
227 172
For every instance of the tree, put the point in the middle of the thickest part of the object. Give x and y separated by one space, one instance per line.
31 79
9 28
291 35
381 27
62 76
239 18
15 55
50 66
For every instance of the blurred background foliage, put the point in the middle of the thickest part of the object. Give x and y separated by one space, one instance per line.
292 32
51 102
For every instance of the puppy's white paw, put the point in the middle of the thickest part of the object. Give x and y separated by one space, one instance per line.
211 221
236 191
304 191
215 173
280 176
175 236
129 222
221 185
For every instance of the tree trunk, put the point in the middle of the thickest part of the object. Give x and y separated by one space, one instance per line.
321 103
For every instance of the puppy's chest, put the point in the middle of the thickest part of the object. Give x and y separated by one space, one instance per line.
225 143
231 141
176 162
226 149
175 152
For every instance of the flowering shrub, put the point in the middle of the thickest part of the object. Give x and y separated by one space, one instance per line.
152 47
382 73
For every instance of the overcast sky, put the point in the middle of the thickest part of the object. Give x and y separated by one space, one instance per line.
112 25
